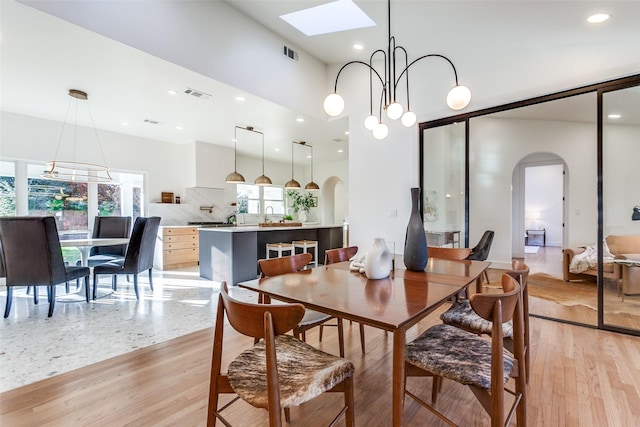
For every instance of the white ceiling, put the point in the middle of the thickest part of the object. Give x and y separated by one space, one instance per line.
42 54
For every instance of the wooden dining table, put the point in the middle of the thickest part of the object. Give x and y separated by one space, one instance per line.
394 304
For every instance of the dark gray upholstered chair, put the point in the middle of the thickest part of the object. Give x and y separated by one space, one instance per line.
33 257
480 252
109 226
279 371
139 256
445 351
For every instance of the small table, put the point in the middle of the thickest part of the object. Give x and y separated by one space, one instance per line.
630 276
394 304
443 238
85 245
536 237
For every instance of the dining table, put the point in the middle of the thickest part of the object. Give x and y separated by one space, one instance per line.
394 304
85 245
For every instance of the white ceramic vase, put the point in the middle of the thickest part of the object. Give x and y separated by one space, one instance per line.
302 216
377 264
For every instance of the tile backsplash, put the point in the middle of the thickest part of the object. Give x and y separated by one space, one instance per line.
189 208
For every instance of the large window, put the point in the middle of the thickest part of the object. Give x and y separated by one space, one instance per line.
7 189
252 198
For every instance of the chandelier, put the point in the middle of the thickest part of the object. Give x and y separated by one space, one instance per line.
390 79
73 170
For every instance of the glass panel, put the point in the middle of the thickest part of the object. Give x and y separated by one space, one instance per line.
248 197
621 207
443 198
7 189
274 198
109 197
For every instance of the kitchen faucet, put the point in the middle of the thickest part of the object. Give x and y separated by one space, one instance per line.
266 218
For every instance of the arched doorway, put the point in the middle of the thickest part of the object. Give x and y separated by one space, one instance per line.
333 206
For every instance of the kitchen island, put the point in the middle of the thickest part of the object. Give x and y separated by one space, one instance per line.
231 254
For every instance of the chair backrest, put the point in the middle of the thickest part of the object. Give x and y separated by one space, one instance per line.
481 251
449 253
331 256
283 265
142 244
31 250
484 304
520 272
248 318
111 226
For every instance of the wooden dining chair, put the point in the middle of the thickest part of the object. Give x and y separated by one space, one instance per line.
32 257
449 253
445 351
291 264
462 315
279 371
332 256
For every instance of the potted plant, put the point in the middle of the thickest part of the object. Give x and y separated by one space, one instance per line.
301 203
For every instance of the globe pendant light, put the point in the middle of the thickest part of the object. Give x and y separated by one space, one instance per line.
389 78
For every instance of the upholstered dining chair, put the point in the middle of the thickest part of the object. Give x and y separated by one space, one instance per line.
279 371
445 351
291 264
480 252
332 256
109 226
462 315
138 258
33 257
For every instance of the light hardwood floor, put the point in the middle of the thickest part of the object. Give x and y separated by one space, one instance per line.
580 377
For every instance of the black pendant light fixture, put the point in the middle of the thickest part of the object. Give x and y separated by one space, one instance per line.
457 99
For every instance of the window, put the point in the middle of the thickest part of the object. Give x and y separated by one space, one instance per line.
7 189
251 199
109 196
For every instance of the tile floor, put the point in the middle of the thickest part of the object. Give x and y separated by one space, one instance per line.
34 347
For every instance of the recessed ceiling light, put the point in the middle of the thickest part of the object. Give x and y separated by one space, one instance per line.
327 18
340 151
171 92
240 98
300 120
308 157
179 127
346 133
125 124
277 149
598 18
358 47
614 116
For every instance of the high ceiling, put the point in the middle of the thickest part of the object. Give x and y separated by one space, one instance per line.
42 54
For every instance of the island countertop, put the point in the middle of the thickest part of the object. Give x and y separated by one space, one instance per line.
231 254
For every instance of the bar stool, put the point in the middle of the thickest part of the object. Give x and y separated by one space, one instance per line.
305 245
279 247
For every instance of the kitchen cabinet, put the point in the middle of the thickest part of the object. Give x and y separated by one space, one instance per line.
176 247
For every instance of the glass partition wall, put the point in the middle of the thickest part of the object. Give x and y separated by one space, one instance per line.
487 156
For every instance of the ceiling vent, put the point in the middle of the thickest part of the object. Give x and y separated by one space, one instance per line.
197 93
151 121
290 53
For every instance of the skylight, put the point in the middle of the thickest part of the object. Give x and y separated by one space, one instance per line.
340 15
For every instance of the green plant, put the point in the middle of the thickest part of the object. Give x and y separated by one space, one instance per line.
287 217
301 201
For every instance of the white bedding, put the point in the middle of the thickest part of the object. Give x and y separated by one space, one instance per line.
588 259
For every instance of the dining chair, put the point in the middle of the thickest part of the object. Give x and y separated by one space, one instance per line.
332 256
291 264
480 252
462 315
449 253
445 351
33 257
138 258
105 227
278 371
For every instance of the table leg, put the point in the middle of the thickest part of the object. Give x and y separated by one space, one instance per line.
399 341
84 254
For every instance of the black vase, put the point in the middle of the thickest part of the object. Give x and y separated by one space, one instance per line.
415 242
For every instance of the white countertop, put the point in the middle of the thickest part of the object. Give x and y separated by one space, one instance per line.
254 228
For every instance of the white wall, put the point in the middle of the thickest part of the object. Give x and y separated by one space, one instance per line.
543 194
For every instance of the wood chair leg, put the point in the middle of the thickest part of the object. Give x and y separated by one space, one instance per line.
340 337
362 337
349 402
287 415
320 333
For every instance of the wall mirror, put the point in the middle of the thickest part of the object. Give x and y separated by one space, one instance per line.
530 171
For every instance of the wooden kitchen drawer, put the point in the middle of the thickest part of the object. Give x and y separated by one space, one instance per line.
189 244
170 231
181 256
180 238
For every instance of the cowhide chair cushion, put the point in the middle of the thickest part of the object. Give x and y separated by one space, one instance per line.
461 314
304 372
459 355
